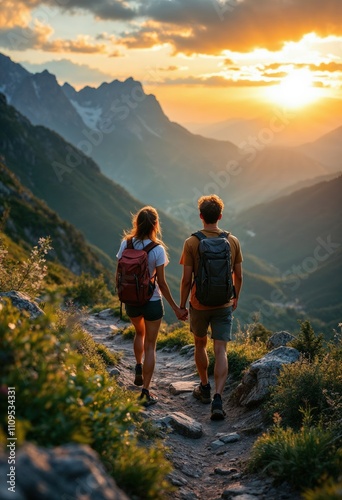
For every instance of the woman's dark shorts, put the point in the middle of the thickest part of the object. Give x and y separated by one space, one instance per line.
152 311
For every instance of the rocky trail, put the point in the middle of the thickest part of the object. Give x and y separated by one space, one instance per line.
208 457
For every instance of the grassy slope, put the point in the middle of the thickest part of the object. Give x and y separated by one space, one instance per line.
29 219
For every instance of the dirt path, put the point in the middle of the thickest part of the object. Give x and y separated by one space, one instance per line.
207 467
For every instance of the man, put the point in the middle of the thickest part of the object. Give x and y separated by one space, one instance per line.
219 318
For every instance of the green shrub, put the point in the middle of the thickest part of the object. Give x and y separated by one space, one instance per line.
258 332
88 291
241 355
95 355
175 336
302 458
64 399
308 343
25 276
129 332
331 490
303 384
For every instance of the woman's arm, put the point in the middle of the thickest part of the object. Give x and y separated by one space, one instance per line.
185 285
164 288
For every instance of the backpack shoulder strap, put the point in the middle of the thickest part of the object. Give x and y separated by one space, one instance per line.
199 235
225 234
130 243
150 246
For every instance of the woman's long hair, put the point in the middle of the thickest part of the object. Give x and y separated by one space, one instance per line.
145 224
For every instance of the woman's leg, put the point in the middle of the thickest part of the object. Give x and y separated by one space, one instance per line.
139 338
151 334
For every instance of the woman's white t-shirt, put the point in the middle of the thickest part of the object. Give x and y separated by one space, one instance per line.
156 257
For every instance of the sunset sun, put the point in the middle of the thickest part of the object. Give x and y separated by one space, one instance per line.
295 90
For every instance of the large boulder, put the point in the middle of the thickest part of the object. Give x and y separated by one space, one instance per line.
263 374
23 302
66 472
279 339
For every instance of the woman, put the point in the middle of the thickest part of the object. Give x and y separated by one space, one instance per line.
147 319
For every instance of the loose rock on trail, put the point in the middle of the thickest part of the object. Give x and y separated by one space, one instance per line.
208 457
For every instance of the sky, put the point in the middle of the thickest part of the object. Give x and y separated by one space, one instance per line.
205 60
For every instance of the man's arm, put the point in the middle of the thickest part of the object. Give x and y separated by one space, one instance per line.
185 285
237 280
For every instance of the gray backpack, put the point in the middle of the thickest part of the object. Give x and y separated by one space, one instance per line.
214 282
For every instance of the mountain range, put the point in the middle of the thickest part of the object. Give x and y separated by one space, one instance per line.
95 205
159 162
304 124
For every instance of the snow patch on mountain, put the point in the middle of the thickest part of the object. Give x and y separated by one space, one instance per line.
36 88
144 124
90 115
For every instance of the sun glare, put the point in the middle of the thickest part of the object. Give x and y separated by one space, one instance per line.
295 90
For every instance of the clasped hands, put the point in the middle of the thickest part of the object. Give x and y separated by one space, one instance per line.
182 313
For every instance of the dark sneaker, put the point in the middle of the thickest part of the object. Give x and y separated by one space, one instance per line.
138 379
217 412
147 398
202 392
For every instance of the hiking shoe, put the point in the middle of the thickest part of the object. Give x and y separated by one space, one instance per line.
202 392
217 412
147 398
138 379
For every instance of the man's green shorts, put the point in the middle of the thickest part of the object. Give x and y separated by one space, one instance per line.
219 319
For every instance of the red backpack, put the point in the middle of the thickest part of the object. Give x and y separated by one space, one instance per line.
133 281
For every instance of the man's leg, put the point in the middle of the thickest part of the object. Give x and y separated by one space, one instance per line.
201 358
221 365
221 323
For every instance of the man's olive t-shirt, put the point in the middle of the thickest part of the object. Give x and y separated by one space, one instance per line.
190 257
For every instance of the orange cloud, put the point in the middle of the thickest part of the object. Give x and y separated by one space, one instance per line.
215 26
14 13
215 81
169 68
80 45
38 37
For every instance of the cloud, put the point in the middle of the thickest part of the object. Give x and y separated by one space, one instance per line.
211 26
21 28
67 71
13 14
323 66
215 81
102 9
188 26
23 38
331 67
38 37
82 44
168 68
